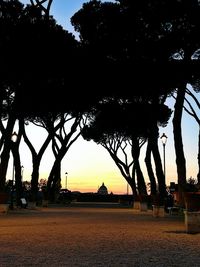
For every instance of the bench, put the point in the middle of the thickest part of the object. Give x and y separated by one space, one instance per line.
23 203
173 210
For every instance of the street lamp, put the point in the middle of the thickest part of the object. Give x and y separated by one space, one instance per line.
164 141
14 140
66 180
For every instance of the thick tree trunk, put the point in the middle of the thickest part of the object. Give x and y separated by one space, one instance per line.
180 158
150 169
133 187
55 178
132 182
5 155
35 178
158 165
140 177
54 175
18 176
17 163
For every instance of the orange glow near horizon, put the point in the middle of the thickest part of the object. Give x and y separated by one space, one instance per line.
89 165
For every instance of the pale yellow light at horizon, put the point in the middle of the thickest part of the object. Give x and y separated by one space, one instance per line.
89 164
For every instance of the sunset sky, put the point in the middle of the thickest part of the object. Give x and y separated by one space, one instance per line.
88 164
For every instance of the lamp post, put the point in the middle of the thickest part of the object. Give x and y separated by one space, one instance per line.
66 180
13 139
164 141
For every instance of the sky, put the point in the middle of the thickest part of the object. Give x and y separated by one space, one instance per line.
89 165
63 10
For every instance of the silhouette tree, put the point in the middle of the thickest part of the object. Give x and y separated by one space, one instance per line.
122 127
40 83
111 127
10 15
39 4
132 57
192 111
184 28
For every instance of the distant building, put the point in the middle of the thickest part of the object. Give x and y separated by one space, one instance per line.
102 190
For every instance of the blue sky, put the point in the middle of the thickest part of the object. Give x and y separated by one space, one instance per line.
88 164
63 10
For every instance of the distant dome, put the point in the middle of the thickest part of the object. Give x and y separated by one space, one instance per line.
102 190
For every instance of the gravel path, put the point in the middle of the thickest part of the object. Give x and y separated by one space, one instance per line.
81 236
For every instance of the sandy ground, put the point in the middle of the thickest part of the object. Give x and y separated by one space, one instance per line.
95 236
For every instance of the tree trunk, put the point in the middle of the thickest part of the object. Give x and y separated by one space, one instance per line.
17 163
36 159
55 178
140 178
150 169
158 164
198 174
35 178
54 175
124 169
132 183
180 158
5 155
18 176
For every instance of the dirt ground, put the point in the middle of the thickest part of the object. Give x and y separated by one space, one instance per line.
95 236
